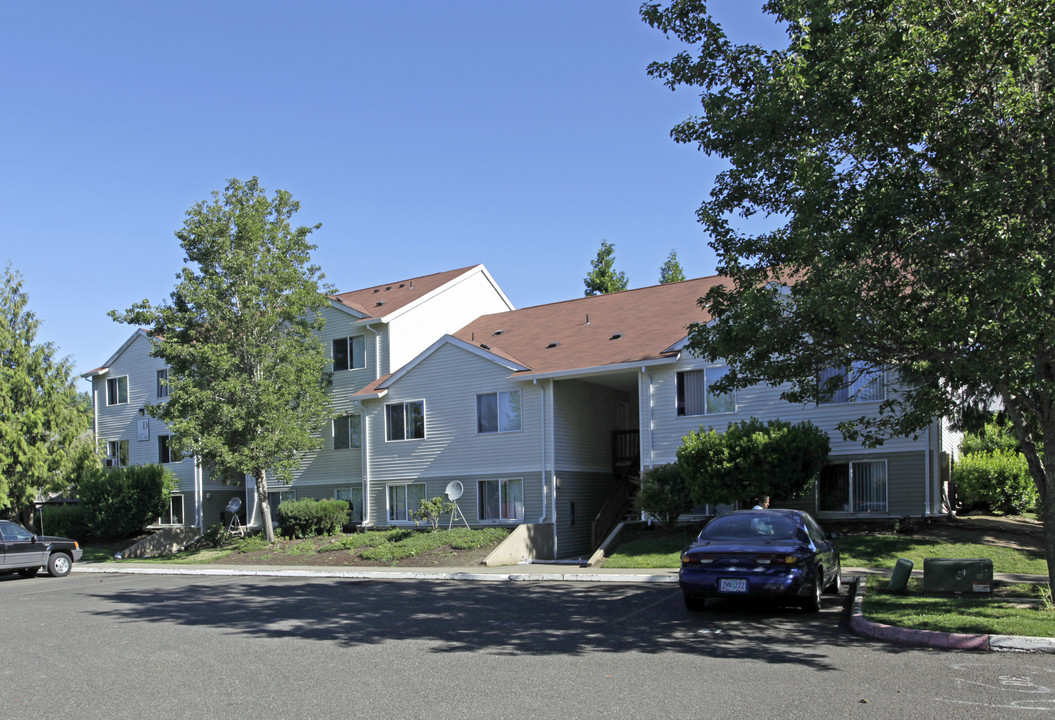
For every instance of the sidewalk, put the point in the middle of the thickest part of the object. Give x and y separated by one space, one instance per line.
576 573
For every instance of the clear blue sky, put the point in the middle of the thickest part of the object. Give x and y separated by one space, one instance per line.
424 136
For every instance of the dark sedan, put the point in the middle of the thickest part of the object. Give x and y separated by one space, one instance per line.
25 552
778 554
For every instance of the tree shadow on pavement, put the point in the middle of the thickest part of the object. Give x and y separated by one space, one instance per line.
500 618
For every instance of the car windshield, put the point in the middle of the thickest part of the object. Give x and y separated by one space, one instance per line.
754 525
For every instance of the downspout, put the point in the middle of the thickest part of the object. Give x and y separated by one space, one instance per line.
199 506
366 466
377 352
927 470
542 436
651 421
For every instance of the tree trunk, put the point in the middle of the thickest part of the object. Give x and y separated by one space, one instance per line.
265 507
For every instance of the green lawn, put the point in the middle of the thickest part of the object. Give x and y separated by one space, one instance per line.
882 551
1007 612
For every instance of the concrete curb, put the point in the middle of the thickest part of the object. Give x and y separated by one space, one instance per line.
933 638
499 576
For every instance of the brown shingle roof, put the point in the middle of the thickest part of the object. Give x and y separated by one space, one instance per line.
598 331
382 300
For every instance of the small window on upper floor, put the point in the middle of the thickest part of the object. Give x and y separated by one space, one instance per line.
861 383
405 420
695 396
117 390
498 412
347 432
163 383
349 353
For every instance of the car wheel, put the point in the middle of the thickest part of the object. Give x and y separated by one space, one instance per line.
813 602
29 572
59 565
695 604
836 585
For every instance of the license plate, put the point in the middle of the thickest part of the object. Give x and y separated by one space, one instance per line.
732 585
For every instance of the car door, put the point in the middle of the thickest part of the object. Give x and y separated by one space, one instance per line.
826 552
21 547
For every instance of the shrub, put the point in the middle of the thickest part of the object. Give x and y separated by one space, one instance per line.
664 494
121 502
64 521
311 518
997 481
215 536
432 510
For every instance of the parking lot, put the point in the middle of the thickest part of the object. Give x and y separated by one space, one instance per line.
109 646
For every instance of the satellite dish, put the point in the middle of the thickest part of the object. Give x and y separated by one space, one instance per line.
234 504
454 489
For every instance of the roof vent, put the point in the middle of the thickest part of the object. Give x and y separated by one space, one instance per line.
388 288
402 285
498 332
616 336
485 346
553 345
377 290
380 303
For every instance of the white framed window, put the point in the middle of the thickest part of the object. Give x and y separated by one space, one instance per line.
859 383
498 412
117 390
166 453
347 432
174 516
163 383
501 499
403 499
405 420
349 353
117 453
695 396
354 496
855 487
277 497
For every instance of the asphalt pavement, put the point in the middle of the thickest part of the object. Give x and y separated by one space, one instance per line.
540 572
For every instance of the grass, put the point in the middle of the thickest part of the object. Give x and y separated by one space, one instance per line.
1011 610
882 551
652 548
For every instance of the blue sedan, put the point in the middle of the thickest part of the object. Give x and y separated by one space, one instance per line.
777 554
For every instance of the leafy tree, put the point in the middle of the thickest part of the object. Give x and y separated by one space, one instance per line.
664 493
670 271
752 459
995 435
45 438
247 376
907 153
121 502
603 279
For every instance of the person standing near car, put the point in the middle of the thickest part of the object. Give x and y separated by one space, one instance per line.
761 503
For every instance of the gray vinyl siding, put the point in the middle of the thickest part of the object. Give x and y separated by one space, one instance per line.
584 420
760 401
448 382
587 492
121 422
905 484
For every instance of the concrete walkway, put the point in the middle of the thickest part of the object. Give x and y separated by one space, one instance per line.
577 573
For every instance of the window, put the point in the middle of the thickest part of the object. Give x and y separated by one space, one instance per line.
501 499
694 394
166 453
405 421
347 432
175 512
498 412
349 353
861 384
858 487
117 453
404 499
354 497
277 497
117 390
162 383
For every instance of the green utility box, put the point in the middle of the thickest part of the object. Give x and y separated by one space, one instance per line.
970 575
